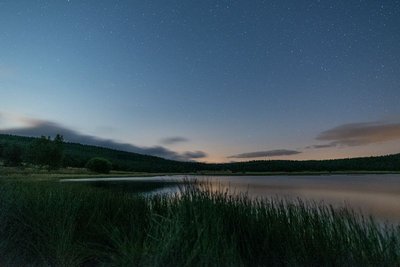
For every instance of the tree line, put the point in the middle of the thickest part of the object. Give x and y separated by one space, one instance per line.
43 151
55 153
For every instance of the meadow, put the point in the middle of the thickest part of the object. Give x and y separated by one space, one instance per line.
56 224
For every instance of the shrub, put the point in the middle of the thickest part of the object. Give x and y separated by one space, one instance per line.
100 165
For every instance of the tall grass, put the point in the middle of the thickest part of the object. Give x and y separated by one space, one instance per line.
48 224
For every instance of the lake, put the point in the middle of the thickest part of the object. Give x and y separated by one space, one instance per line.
377 195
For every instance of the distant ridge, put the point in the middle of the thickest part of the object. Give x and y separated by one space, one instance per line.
76 155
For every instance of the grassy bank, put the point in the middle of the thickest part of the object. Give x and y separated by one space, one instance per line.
51 224
36 173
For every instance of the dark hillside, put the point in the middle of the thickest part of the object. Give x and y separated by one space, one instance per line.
76 155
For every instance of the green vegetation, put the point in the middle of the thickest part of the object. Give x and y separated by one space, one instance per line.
46 152
12 155
56 224
77 155
99 165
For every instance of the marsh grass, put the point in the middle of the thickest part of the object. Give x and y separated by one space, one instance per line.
50 224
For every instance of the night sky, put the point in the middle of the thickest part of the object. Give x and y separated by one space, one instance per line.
211 81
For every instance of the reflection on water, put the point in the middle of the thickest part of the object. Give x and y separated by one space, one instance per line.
378 195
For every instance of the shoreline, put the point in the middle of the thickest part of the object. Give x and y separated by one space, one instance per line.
72 173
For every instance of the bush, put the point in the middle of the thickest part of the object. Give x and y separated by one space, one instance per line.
100 165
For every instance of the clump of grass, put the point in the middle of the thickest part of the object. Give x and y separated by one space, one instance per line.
49 224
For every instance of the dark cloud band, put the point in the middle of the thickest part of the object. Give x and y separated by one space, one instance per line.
173 140
38 128
359 134
263 154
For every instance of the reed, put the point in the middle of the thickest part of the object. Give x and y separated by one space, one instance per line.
51 224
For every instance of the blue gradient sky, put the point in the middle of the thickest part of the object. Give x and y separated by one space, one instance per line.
230 77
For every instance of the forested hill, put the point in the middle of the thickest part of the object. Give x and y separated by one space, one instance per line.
76 155
380 163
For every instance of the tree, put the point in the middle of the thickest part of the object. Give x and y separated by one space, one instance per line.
12 155
2 146
57 152
100 165
46 152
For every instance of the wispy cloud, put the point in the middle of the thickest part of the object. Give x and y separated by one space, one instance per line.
36 128
194 154
9 118
332 144
173 140
269 153
359 134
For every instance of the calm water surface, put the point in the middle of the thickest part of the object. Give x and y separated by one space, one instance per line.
377 195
